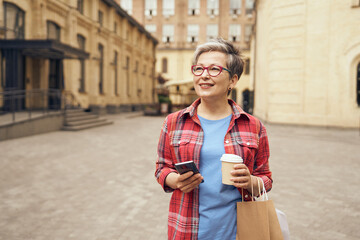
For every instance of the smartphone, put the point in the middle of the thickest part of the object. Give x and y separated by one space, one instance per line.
185 167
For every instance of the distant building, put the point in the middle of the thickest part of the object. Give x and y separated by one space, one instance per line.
91 52
180 25
307 62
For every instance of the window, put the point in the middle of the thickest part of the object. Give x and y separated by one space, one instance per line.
358 85
14 21
193 33
212 31
144 70
248 31
101 68
127 6
235 7
116 72
194 7
151 28
247 66
115 27
136 66
249 7
127 67
80 6
355 3
213 7
168 7
168 33
235 32
150 7
81 43
101 18
53 31
164 65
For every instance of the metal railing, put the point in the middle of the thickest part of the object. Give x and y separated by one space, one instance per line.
19 105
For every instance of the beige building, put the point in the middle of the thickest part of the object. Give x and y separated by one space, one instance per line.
307 62
90 51
180 25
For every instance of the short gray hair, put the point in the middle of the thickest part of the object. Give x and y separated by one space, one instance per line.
234 62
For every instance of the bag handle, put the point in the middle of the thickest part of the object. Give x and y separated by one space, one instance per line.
264 193
252 192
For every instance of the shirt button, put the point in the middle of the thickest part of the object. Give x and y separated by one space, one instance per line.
227 141
248 143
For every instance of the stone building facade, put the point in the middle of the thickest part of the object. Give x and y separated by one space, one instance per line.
180 25
307 62
92 51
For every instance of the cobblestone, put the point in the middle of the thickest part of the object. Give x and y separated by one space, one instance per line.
99 184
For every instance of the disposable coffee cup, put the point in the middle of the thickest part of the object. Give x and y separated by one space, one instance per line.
227 165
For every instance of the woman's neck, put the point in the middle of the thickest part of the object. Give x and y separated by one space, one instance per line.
214 110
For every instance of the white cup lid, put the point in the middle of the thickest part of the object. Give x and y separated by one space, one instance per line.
231 158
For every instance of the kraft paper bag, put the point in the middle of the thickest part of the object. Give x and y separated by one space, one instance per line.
257 220
253 221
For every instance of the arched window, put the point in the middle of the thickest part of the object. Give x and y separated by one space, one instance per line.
164 65
53 31
14 21
358 84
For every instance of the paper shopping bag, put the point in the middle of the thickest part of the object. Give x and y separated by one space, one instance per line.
257 220
253 221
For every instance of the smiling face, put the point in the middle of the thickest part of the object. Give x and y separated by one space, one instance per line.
213 88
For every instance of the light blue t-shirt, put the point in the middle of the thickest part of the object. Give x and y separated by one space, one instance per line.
217 201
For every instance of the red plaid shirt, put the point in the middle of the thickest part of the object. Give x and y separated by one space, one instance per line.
181 139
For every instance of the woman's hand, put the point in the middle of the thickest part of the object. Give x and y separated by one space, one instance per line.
241 176
243 179
185 182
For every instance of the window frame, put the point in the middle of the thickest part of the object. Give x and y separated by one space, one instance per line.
150 8
193 7
164 65
19 30
235 10
80 6
168 8
82 45
57 30
170 37
193 38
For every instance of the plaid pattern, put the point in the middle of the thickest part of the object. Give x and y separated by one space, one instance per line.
181 139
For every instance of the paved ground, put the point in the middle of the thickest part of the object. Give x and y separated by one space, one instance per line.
99 183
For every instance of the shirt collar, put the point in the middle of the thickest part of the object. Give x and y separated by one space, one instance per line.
237 110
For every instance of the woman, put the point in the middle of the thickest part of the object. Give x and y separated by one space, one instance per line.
211 126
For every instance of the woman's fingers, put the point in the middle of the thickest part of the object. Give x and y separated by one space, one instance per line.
241 176
188 182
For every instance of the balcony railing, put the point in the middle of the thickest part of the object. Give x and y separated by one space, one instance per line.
20 105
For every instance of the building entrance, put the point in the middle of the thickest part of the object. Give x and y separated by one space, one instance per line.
55 83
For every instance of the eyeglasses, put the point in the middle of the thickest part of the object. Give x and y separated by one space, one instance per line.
213 70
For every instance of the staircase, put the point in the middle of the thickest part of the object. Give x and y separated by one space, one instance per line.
77 119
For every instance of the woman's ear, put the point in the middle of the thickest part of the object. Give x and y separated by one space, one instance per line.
234 80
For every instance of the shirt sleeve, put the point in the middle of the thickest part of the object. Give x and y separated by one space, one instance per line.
164 162
261 168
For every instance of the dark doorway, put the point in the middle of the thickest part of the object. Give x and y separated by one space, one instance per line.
55 83
13 63
358 85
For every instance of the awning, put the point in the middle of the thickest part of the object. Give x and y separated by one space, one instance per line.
51 49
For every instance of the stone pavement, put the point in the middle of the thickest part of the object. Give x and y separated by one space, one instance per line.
99 184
